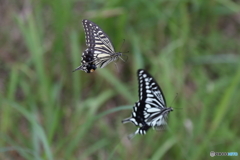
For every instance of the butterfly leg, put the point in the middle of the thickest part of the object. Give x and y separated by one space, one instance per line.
160 128
131 136
116 66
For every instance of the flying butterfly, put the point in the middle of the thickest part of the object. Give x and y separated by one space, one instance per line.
100 51
150 110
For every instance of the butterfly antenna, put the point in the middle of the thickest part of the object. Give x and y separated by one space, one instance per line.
126 57
122 47
178 108
122 44
174 98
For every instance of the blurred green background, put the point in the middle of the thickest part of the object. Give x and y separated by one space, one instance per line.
47 112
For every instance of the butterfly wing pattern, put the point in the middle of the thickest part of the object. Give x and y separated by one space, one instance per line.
150 110
100 51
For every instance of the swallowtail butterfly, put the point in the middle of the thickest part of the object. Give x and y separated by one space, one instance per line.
150 110
100 51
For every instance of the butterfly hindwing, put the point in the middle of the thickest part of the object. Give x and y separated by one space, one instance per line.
138 119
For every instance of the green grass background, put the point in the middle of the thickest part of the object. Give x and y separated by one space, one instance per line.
49 113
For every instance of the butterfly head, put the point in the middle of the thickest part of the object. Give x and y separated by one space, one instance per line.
167 111
170 109
118 55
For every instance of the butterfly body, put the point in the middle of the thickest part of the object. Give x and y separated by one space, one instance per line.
150 110
100 51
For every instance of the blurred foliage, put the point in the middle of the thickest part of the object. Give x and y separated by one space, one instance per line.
48 112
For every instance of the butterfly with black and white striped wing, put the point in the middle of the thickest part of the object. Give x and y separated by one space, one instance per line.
100 51
150 110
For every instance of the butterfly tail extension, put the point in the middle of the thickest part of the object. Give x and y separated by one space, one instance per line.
79 68
126 120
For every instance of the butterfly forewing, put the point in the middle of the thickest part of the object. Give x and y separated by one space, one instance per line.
149 90
96 38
